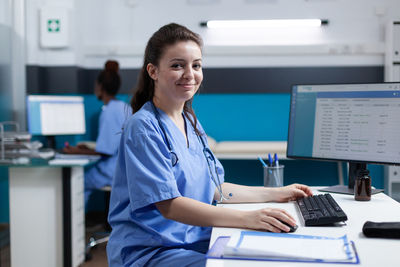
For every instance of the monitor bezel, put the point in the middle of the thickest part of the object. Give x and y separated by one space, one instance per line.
331 159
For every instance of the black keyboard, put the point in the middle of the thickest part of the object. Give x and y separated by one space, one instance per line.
320 210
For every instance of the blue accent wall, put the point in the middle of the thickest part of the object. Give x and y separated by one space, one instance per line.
244 117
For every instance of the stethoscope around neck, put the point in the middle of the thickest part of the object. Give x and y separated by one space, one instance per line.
206 151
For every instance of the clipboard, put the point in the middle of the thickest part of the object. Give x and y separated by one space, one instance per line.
217 252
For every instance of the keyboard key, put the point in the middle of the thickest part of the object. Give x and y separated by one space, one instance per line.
333 203
313 203
320 210
308 204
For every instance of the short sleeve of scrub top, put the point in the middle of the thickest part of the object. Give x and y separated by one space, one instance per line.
150 165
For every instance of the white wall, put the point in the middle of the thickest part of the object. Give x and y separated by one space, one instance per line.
12 61
100 29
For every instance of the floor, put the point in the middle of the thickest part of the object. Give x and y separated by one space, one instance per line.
4 245
98 257
95 227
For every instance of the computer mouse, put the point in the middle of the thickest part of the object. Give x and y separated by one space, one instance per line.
292 228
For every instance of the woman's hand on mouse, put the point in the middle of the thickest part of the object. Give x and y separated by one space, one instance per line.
269 219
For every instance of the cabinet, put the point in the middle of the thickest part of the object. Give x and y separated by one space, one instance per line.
392 74
47 223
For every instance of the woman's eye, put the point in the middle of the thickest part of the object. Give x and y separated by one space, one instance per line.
197 66
176 66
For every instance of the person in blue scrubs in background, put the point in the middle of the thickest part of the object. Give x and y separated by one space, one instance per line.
166 178
114 113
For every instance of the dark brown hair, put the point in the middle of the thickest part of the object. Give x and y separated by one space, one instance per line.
156 46
109 78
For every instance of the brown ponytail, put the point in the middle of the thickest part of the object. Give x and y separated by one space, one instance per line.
109 78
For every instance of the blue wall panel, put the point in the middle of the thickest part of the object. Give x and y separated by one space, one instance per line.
244 117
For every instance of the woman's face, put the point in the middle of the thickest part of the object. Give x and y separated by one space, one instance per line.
179 73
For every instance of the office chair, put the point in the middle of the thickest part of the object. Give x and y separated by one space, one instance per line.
98 238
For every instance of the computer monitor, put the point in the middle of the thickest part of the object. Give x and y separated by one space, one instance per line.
356 123
51 115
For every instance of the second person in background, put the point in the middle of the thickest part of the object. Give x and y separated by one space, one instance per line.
114 113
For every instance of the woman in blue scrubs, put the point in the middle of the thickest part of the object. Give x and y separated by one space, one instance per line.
166 177
114 113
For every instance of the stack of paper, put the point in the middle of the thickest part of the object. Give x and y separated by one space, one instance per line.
68 162
76 156
252 245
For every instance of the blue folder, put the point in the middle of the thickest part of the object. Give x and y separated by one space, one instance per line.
217 252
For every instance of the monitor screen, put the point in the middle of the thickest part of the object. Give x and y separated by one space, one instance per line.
55 115
345 122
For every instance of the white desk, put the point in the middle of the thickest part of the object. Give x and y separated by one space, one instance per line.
371 251
47 223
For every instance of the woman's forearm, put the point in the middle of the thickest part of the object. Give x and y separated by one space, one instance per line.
235 193
193 212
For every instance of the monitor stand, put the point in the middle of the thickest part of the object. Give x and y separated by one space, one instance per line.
349 189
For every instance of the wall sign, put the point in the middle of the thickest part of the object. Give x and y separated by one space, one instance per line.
54 30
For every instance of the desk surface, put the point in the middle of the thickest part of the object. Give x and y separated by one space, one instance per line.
37 162
371 251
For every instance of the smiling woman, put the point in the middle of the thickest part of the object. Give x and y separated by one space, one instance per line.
176 79
166 177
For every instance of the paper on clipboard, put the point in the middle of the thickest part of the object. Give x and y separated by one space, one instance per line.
249 245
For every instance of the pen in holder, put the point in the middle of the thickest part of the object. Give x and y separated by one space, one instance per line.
273 176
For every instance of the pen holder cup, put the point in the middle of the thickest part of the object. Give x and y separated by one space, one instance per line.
273 176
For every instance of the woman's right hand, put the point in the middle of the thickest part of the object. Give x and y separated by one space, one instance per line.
269 219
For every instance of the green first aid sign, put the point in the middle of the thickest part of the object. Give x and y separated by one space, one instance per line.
53 25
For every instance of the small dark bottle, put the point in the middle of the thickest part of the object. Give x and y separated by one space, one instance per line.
362 187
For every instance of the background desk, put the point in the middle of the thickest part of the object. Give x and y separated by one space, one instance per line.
372 251
47 223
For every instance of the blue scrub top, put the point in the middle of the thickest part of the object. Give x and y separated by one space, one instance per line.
112 118
144 175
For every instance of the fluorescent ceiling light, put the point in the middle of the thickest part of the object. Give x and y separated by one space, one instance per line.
273 23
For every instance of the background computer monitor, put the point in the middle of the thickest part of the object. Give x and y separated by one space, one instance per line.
51 115
357 123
